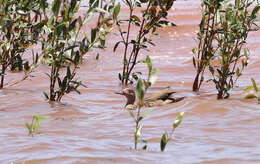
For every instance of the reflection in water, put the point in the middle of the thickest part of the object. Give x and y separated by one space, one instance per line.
94 128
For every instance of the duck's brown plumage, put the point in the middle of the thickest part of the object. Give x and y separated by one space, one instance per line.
156 99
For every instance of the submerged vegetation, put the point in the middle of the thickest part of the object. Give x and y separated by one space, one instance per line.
33 128
252 91
64 49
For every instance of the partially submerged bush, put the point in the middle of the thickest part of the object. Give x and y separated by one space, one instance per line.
203 53
223 33
20 25
152 17
63 47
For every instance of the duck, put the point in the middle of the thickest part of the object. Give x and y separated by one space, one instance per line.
160 98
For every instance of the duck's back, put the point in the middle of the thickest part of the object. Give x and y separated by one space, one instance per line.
161 95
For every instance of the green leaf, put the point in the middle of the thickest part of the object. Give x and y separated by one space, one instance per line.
138 131
39 118
77 58
255 11
72 5
97 9
116 45
73 25
93 34
116 11
237 3
153 79
136 18
36 126
169 4
248 88
254 84
246 53
102 37
88 17
132 114
154 71
43 5
146 113
46 95
149 63
97 56
93 3
68 72
140 89
56 7
29 128
164 141
178 121
119 76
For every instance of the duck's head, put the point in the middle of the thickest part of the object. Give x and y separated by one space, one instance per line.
129 94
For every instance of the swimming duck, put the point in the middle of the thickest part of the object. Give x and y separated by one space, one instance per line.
156 99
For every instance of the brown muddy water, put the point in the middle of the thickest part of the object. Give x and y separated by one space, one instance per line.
94 128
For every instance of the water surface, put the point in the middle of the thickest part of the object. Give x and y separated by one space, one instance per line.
94 128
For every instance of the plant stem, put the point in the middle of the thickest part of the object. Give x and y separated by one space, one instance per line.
2 76
137 125
125 80
136 47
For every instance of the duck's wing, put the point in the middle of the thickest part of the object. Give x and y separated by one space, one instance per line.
153 103
175 99
161 95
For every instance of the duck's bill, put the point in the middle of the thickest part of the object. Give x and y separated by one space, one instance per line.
120 93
